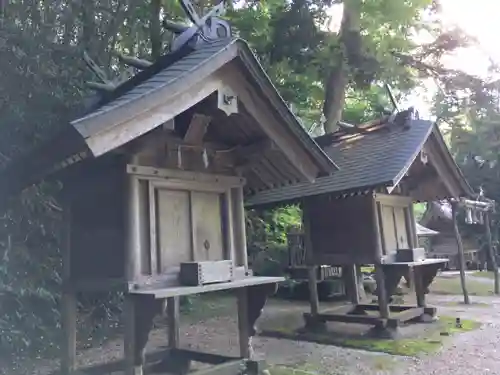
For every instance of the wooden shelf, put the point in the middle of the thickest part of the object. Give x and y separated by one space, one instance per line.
180 290
424 262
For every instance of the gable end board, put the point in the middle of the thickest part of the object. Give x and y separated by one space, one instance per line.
97 133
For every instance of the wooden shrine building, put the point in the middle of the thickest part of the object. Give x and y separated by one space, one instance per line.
363 214
154 178
438 216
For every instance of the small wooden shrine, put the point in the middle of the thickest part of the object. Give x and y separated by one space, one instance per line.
363 214
154 180
424 232
438 216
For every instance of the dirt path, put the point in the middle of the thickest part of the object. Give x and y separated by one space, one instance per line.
468 353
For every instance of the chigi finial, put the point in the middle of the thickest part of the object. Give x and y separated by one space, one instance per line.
204 29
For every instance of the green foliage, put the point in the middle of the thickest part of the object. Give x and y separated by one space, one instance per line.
29 274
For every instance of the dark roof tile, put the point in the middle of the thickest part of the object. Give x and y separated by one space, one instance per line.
378 157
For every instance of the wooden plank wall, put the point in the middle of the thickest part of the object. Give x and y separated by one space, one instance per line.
342 229
97 231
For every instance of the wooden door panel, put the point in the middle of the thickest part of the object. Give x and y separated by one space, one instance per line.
207 226
389 229
402 232
174 224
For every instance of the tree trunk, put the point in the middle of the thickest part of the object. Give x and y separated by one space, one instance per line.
155 29
89 28
492 254
338 77
461 259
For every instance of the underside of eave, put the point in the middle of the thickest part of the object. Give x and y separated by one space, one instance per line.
460 179
257 73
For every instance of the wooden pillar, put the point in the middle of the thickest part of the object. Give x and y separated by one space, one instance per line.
228 219
461 260
412 227
240 239
312 276
133 271
350 278
133 266
383 300
139 311
173 322
243 323
68 302
487 224
130 337
419 286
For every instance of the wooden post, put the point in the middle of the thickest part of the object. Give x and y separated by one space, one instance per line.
383 301
133 270
350 277
130 337
419 286
133 265
312 276
491 251
243 323
461 259
240 239
68 303
173 322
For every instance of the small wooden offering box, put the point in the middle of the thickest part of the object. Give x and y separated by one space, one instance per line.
210 272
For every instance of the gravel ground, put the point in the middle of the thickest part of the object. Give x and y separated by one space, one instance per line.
468 353
474 352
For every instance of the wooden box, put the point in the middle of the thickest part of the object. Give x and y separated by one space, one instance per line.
410 255
201 273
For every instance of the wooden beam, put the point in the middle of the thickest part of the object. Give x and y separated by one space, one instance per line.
186 176
197 129
94 68
461 259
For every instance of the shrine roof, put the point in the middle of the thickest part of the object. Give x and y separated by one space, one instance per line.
424 231
368 158
95 134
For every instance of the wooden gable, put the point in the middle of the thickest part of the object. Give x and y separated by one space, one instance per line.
247 121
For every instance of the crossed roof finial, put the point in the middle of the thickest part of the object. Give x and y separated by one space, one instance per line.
204 29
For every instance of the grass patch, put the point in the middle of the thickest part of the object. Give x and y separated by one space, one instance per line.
461 304
415 346
368 269
452 286
429 339
485 275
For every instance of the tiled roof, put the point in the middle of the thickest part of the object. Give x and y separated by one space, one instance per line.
379 156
